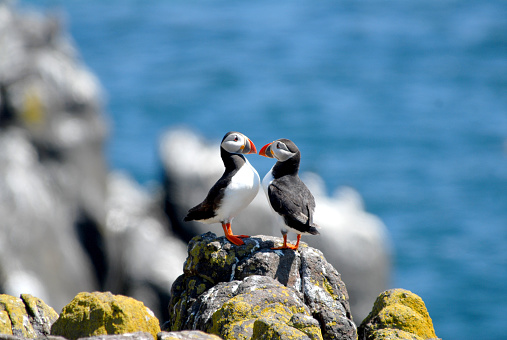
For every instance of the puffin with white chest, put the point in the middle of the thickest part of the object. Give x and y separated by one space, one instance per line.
234 191
288 196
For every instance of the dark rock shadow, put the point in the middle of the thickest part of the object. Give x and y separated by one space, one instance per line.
283 272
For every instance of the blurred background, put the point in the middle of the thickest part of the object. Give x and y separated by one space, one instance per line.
406 102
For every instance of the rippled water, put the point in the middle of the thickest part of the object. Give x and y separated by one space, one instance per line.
404 101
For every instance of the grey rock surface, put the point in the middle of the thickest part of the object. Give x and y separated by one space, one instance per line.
126 336
186 335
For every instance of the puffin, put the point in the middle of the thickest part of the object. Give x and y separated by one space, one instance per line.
287 195
234 191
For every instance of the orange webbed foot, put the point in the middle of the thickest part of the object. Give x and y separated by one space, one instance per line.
235 240
288 245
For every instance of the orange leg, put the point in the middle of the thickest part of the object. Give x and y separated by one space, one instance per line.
288 245
235 239
230 232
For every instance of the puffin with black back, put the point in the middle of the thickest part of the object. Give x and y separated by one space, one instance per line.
288 196
234 191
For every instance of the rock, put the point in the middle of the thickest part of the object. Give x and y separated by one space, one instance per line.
27 317
14 337
52 169
41 315
353 240
251 289
145 256
397 314
186 335
124 336
255 307
91 314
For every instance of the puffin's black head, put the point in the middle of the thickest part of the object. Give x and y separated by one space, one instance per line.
236 142
281 149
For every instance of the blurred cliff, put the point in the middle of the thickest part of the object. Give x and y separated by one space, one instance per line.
68 225
52 172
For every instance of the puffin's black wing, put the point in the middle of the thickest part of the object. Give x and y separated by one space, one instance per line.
207 208
290 198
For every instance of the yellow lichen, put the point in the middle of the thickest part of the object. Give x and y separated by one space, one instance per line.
16 312
394 334
329 288
400 310
270 329
5 321
201 289
90 314
33 109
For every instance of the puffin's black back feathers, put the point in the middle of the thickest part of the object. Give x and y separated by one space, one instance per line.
289 196
208 207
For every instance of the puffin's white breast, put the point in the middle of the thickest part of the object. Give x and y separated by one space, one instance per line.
242 189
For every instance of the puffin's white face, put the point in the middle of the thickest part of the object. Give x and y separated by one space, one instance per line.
238 143
280 151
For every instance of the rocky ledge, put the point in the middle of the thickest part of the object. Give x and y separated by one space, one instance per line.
250 290
228 292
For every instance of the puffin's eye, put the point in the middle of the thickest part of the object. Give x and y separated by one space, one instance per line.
235 138
278 145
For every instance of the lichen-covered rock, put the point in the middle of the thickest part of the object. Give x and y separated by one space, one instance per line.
252 308
251 290
91 314
187 335
40 314
28 316
397 314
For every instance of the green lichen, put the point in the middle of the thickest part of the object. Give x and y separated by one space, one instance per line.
90 314
33 112
398 310
241 315
329 288
185 291
394 334
267 329
233 310
177 316
276 311
14 309
201 288
44 315
241 330
307 325
5 321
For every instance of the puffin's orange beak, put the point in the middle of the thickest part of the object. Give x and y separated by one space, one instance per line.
249 147
266 151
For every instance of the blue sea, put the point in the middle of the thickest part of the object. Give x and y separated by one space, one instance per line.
405 101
